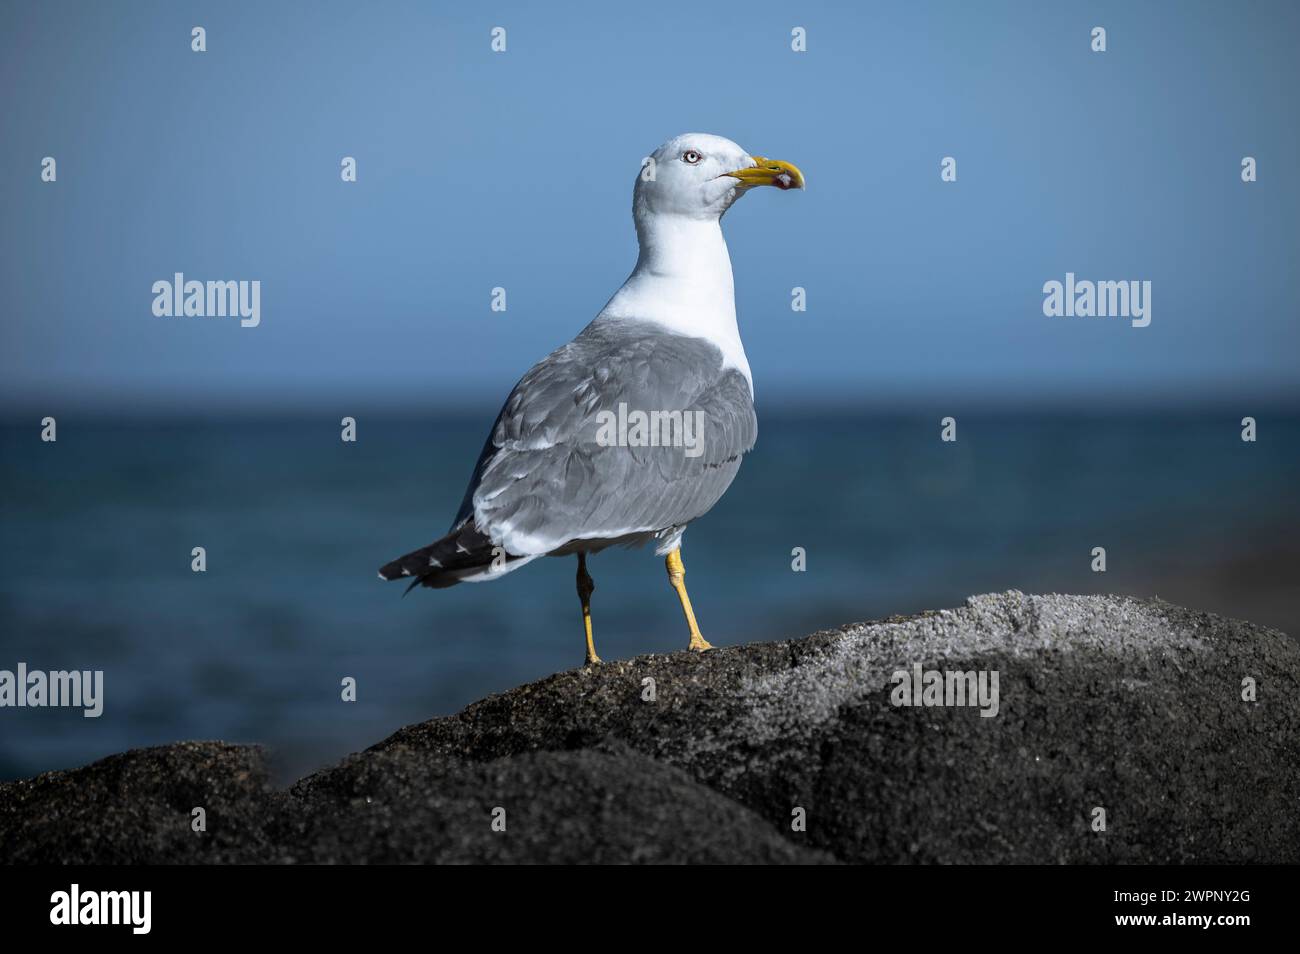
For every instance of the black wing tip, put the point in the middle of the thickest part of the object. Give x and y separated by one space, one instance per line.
442 562
388 575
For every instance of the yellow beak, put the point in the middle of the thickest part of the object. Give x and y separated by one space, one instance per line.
770 172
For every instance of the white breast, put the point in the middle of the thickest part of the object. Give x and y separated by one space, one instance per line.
682 281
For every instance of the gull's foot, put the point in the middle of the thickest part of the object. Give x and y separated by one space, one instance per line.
593 660
699 644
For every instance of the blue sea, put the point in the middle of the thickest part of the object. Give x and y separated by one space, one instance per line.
98 529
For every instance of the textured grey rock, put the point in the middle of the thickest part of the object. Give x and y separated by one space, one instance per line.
1128 705
134 808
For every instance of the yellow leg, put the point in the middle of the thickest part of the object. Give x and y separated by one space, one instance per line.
677 577
586 586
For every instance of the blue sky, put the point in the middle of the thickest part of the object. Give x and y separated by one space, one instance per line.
478 169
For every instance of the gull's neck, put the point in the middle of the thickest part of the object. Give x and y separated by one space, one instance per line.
683 282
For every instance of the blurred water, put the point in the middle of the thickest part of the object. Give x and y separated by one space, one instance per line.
98 528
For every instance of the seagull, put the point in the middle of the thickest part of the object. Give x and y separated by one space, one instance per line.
637 426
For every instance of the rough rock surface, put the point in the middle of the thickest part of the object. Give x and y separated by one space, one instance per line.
1130 706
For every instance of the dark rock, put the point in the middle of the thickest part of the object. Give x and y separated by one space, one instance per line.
607 805
134 808
1127 705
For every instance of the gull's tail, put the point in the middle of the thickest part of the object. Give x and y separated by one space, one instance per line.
444 562
464 555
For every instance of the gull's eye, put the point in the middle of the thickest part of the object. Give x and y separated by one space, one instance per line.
691 157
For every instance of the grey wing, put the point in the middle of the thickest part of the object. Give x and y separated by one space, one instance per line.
548 474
